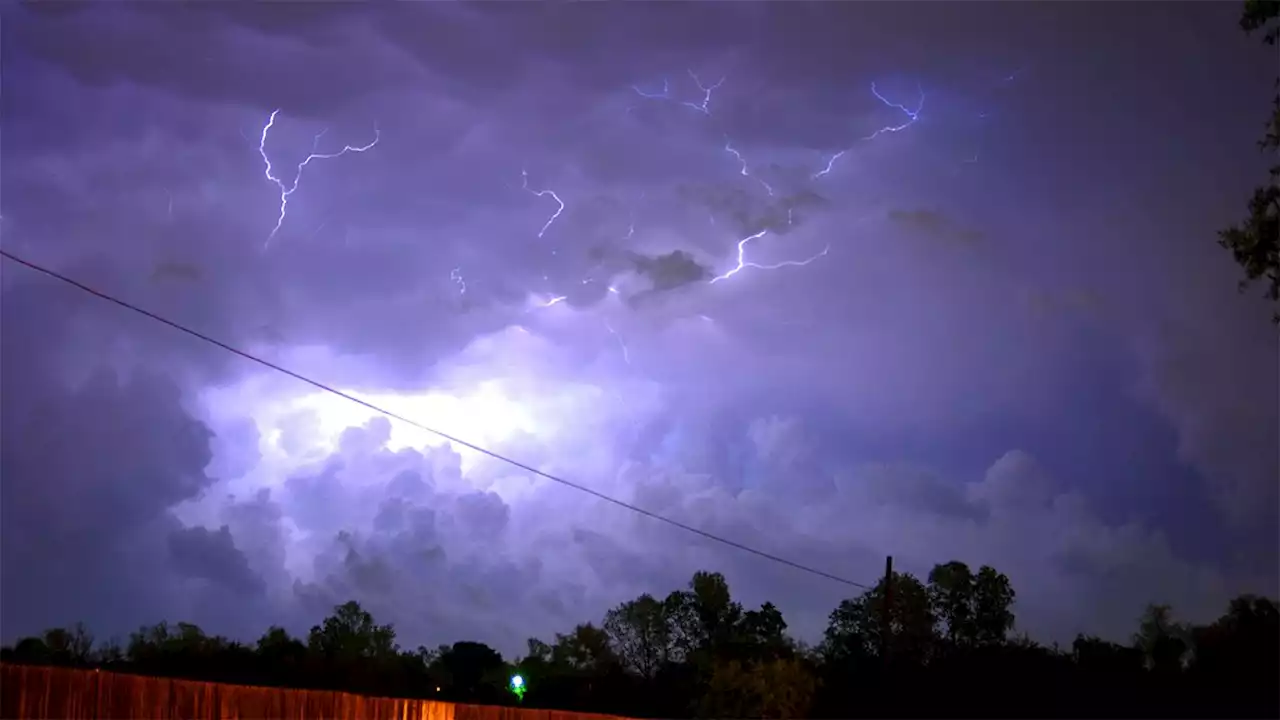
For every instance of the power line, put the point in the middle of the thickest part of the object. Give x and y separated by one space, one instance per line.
351 398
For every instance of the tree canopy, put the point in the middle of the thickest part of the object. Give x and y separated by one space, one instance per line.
1254 242
943 645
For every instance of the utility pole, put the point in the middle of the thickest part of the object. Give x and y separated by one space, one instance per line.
886 616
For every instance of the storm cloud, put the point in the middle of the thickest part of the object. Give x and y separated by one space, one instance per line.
685 255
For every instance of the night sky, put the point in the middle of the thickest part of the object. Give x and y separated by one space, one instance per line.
997 328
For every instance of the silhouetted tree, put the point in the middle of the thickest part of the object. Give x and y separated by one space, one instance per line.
857 627
471 672
639 633
1254 243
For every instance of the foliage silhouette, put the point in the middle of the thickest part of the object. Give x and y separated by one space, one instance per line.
943 646
1254 243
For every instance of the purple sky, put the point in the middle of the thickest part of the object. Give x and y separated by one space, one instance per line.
1017 343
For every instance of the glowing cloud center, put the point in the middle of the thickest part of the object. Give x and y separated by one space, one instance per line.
485 416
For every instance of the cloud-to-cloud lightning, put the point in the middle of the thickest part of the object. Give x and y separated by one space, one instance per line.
664 95
554 300
744 171
743 263
524 175
704 106
626 354
287 190
912 117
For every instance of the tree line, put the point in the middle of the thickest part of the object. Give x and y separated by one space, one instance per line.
906 647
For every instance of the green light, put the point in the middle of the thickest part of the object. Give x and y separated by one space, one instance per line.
518 687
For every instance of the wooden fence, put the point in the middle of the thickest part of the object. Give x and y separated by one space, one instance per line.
29 692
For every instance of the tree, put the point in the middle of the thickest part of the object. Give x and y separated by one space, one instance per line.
1163 641
1254 243
639 634
471 671
762 634
586 650
855 629
73 646
781 688
350 633
993 598
1242 642
951 592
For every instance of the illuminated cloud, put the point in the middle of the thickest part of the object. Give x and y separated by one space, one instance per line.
843 392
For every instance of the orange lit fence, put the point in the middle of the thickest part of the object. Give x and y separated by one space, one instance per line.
50 693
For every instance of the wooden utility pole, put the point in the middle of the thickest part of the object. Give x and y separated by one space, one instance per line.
886 610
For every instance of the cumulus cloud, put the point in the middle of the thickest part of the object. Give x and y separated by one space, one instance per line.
890 398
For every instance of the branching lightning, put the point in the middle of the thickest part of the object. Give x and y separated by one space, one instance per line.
744 172
743 263
704 106
912 117
289 189
524 174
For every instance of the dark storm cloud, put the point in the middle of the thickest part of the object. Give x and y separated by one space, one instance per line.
898 397
91 470
212 555
109 45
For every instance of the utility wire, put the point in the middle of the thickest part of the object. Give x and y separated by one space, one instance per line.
351 398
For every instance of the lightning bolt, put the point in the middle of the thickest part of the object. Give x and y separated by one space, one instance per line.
743 263
288 189
524 174
744 172
626 354
703 107
456 276
912 117
664 95
831 163
553 301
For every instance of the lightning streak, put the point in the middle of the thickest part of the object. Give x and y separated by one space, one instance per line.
743 263
626 354
456 276
524 174
702 107
831 163
912 117
744 172
664 95
288 189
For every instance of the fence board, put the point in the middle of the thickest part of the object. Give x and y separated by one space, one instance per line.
29 692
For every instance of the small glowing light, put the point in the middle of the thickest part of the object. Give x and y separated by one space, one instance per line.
517 681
